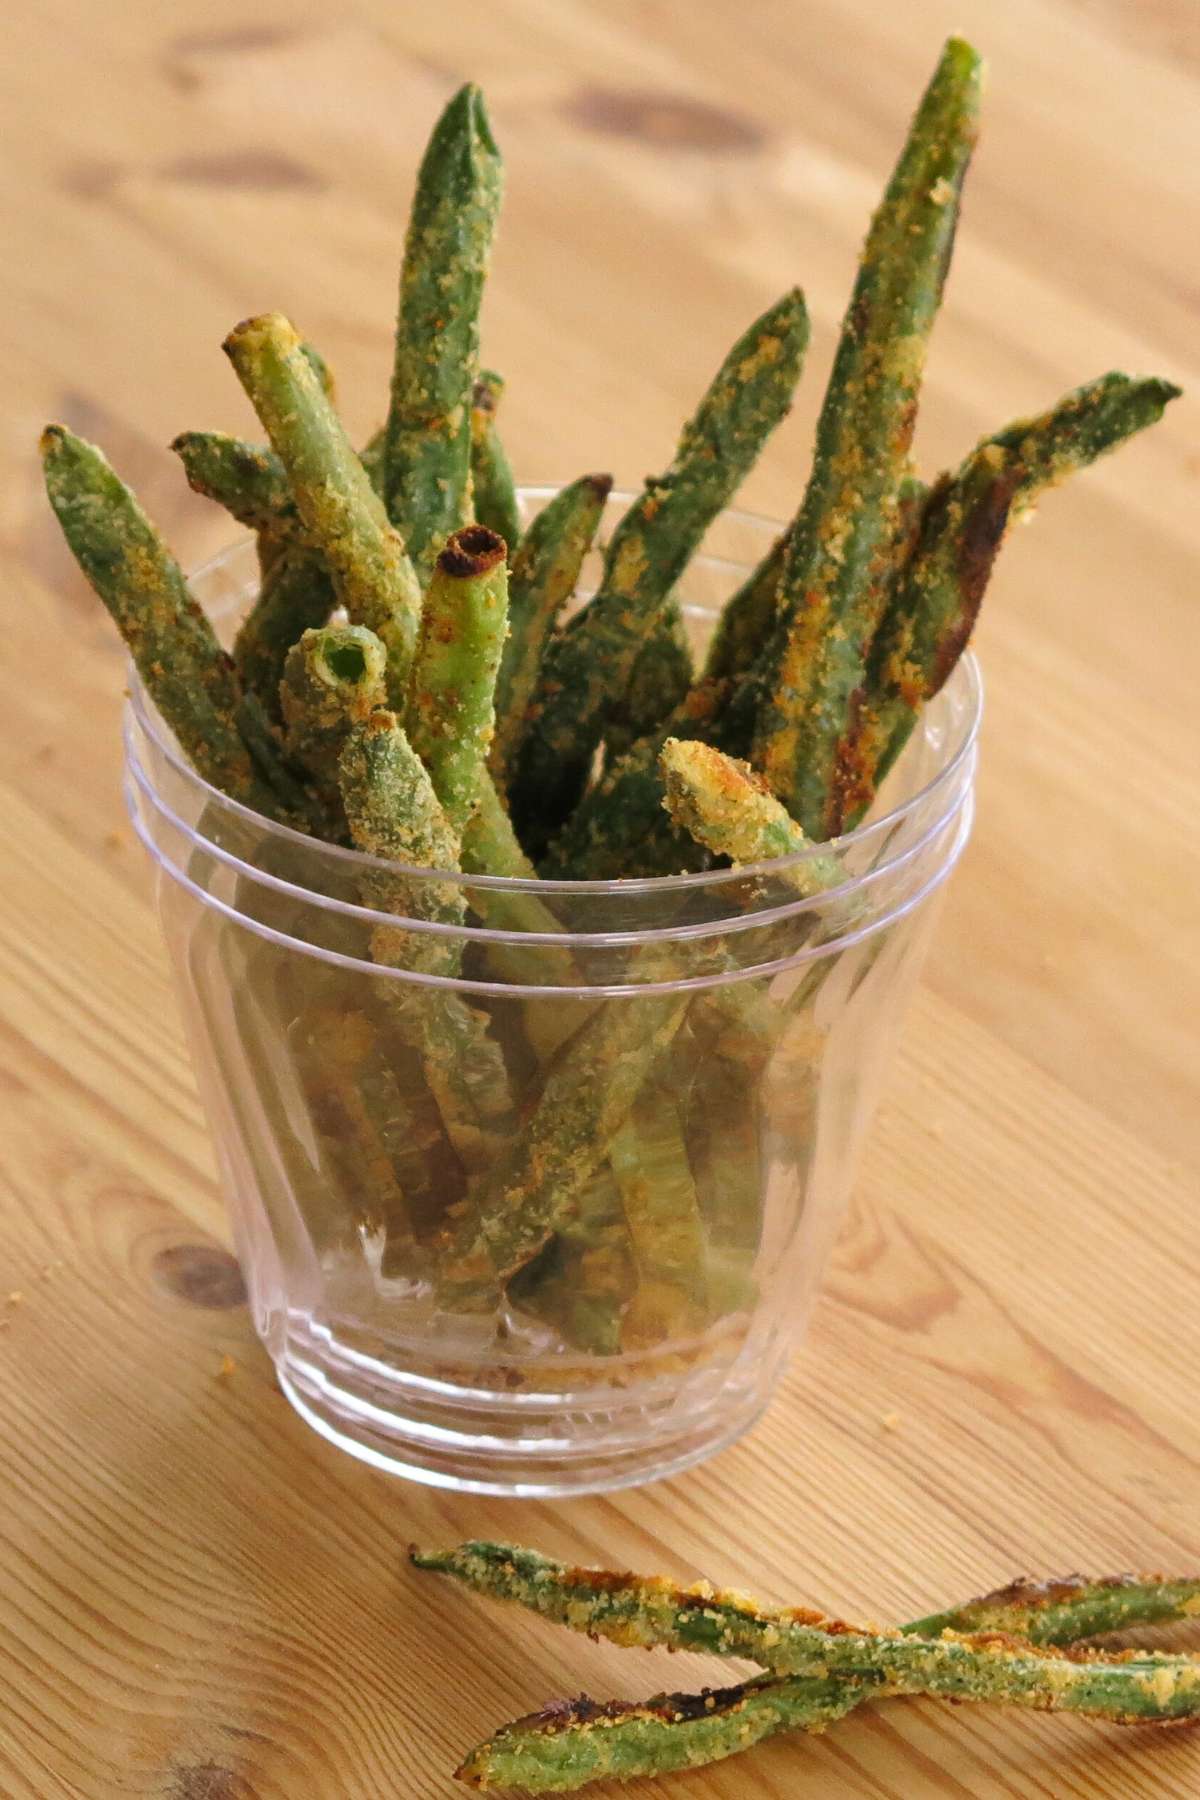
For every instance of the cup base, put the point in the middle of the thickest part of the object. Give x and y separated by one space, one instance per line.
528 1446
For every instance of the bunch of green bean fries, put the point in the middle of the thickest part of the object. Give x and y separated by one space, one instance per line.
405 684
1019 1646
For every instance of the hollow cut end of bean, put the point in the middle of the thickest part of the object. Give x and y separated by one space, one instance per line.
345 656
345 662
472 552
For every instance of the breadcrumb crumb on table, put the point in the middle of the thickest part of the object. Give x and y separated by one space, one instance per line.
890 1421
228 1367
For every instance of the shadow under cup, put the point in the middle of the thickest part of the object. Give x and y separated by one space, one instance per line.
677 1071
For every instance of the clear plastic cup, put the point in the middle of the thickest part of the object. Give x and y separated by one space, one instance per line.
648 1094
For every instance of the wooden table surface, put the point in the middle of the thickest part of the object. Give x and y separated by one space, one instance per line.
199 1599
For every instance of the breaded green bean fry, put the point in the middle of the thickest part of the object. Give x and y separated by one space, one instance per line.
748 617
590 662
427 459
1128 1687
360 1116
620 828
333 679
1071 1609
393 812
450 723
248 480
342 516
490 847
296 595
187 674
449 717
493 490
649 1160
571 1743
511 1210
584 1278
728 807
293 793
933 610
724 1125
660 678
844 540
544 573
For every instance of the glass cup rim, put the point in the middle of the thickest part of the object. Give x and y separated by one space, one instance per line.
960 816
629 937
967 673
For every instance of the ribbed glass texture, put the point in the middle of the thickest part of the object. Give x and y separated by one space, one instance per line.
673 1075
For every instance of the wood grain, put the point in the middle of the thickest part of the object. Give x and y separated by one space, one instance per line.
198 1599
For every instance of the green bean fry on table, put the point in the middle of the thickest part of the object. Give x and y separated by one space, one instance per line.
1019 1646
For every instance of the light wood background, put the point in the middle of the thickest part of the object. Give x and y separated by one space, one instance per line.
198 1599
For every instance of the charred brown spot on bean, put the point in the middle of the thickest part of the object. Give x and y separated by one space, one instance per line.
832 1627
982 531
680 1708
600 1581
980 536
1025 1593
907 422
852 784
560 1716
